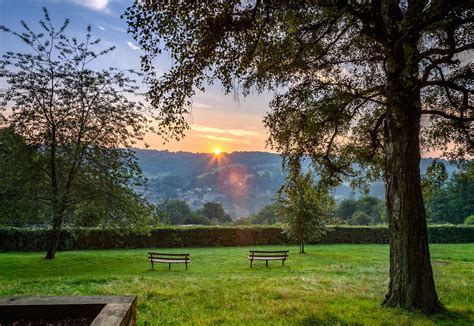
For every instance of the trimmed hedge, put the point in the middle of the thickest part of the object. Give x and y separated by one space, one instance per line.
36 239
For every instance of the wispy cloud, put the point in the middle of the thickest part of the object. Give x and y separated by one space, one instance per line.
116 28
201 105
101 28
233 132
226 139
132 46
97 5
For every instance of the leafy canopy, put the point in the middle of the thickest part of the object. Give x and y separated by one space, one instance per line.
328 61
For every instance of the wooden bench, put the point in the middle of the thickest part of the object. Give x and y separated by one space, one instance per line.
268 255
158 257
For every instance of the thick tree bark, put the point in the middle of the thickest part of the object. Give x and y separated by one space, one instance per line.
411 278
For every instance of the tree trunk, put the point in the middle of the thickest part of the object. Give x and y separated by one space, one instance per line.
302 243
58 219
411 278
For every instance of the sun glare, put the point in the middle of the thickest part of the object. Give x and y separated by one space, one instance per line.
217 151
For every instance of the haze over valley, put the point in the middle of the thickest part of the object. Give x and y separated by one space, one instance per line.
243 182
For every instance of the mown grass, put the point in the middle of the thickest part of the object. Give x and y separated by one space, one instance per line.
330 285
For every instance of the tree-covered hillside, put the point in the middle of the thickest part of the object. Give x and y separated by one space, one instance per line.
243 182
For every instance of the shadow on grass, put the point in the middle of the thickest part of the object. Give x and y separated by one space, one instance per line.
452 317
325 320
445 317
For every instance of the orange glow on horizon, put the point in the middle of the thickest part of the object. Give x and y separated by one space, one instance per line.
217 151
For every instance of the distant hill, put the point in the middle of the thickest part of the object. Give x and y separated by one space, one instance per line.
243 182
158 164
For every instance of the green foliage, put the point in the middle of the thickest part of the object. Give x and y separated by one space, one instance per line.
303 208
215 212
22 188
373 207
197 219
267 216
360 218
36 239
469 220
434 178
454 202
346 209
20 182
176 211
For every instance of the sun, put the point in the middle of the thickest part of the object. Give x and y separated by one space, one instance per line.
217 151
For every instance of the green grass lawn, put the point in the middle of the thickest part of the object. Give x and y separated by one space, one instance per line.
330 285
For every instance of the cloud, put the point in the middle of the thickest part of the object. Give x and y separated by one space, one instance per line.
101 28
119 29
233 132
132 46
97 5
201 105
226 139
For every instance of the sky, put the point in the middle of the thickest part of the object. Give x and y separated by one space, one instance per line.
217 120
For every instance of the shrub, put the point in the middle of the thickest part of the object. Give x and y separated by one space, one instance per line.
36 239
360 218
469 220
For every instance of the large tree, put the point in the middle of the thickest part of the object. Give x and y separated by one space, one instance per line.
367 82
80 119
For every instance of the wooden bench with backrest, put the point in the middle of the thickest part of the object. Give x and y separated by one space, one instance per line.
159 257
268 255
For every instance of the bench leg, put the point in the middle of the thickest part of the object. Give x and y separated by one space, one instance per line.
186 265
251 261
282 262
266 263
151 265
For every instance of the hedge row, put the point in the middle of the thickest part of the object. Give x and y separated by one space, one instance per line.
20 239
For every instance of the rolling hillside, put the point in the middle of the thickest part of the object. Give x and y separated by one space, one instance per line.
243 182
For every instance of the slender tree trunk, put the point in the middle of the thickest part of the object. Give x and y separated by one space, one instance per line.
58 219
411 278
58 212
301 243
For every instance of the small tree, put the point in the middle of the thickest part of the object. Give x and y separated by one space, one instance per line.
304 208
79 118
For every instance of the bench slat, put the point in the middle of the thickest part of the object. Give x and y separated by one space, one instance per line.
166 254
269 251
266 258
170 261
263 255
